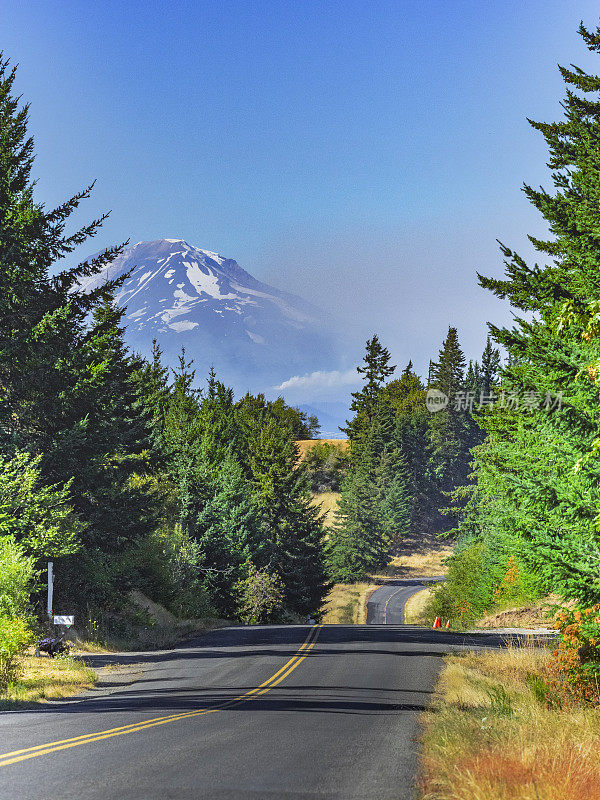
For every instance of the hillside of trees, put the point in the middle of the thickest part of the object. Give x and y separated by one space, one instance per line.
406 463
512 462
531 523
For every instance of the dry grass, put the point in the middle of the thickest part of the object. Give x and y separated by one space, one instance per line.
416 606
44 678
346 603
422 562
487 737
329 503
534 615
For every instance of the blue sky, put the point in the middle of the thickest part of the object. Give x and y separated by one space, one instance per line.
365 155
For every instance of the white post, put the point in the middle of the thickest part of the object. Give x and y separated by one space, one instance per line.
50 587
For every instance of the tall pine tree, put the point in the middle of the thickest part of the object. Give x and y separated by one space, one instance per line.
451 429
375 506
537 496
65 381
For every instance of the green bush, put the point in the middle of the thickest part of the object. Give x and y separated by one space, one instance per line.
15 635
325 464
261 597
165 566
576 666
39 517
16 573
480 581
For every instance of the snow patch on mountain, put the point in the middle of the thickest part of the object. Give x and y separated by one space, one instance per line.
183 295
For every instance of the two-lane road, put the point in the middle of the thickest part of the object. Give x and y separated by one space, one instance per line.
386 604
263 712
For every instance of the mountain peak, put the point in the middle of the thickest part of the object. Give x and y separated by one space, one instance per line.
183 295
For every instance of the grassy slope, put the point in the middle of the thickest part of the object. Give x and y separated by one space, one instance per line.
328 502
306 444
415 608
487 737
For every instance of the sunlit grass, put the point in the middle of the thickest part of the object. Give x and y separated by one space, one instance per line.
44 678
304 445
487 737
346 603
415 608
329 503
418 564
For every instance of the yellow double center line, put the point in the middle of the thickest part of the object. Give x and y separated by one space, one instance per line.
52 747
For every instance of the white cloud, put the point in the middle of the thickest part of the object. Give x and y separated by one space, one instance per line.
320 380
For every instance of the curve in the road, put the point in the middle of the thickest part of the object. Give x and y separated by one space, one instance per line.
65 744
386 604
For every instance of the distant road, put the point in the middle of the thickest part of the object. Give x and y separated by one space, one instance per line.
277 712
386 604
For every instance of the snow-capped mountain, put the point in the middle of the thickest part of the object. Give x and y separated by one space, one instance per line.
253 334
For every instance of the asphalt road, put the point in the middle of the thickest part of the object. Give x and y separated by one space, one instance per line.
262 712
386 604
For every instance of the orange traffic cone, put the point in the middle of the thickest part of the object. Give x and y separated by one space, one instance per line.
447 625
437 623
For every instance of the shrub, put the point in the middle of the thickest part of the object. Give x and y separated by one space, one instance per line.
15 635
479 580
39 517
463 597
16 573
325 464
576 666
261 597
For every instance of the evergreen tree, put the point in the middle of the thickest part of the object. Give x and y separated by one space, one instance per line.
152 398
447 373
406 395
103 446
65 382
537 494
490 368
451 428
474 381
374 508
228 535
292 530
183 437
302 425
375 505
375 372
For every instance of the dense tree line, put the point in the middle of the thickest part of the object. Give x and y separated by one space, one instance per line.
511 464
406 463
124 475
532 521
